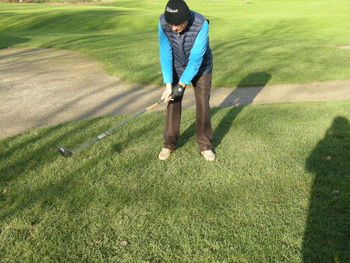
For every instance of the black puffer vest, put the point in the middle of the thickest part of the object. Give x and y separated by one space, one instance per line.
182 44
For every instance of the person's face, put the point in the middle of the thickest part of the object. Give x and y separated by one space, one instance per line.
179 28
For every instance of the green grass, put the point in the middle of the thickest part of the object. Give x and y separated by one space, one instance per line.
290 41
278 192
59 1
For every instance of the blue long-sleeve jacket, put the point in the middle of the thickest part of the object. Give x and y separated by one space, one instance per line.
195 60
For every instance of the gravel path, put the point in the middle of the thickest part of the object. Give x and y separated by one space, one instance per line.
41 87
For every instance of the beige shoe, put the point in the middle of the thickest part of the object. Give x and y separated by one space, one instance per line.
208 155
164 154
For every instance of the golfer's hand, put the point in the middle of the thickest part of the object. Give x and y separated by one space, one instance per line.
166 96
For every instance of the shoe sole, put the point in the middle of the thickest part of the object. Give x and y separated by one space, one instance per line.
164 158
208 159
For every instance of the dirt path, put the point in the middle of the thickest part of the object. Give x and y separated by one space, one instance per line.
40 87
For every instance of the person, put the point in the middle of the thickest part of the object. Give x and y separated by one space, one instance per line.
185 57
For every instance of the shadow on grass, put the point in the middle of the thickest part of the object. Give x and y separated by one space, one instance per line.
327 233
9 41
23 153
236 99
66 189
27 155
260 51
113 35
69 21
143 131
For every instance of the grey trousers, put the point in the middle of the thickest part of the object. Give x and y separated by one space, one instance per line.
204 133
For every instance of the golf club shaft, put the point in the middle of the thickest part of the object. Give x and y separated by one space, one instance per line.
109 131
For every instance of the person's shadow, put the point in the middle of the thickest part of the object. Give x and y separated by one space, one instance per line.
237 99
327 232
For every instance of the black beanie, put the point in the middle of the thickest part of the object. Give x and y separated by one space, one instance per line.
176 12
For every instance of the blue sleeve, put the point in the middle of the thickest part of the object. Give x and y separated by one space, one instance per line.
166 56
197 52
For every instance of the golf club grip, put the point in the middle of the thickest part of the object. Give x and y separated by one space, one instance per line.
152 106
155 104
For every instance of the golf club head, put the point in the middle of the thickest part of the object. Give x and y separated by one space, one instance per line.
64 151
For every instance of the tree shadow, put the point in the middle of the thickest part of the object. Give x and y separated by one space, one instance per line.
239 97
118 103
327 232
9 41
25 152
144 130
69 21
33 153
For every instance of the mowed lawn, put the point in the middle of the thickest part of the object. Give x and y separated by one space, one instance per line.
279 190
292 41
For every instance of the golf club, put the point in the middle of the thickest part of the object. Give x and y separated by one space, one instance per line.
66 152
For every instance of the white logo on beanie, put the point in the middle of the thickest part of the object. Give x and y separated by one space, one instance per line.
168 9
